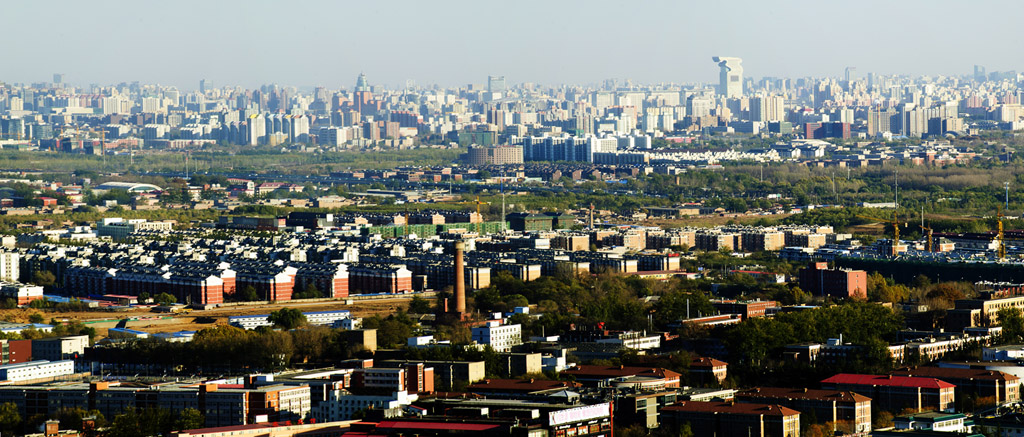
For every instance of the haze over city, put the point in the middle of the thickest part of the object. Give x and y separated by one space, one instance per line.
450 43
523 218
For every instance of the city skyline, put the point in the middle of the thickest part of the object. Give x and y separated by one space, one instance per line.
456 43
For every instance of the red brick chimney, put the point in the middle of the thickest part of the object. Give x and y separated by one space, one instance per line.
460 278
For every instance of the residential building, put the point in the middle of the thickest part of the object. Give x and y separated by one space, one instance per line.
897 393
501 338
818 279
704 370
59 348
1002 388
740 419
623 376
827 405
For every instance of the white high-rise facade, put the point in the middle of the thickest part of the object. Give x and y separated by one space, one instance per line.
9 266
731 76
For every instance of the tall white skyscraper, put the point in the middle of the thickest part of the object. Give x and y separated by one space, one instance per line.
768 108
9 266
731 76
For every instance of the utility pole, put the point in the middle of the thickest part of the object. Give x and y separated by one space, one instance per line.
897 183
103 147
834 192
1007 185
502 203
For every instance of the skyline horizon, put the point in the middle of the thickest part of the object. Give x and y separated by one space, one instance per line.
454 42
213 84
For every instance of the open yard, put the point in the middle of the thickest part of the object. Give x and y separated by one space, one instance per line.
153 322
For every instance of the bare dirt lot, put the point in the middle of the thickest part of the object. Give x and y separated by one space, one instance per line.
153 322
707 221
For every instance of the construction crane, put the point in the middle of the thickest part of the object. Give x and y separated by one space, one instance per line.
103 140
478 203
927 230
895 222
928 241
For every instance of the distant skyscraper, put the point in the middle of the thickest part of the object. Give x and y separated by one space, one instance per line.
850 74
496 84
58 78
731 76
361 84
202 86
768 108
363 94
979 73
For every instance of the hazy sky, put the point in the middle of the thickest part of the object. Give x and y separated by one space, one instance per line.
307 43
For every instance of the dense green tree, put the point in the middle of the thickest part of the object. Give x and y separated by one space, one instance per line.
248 294
392 331
165 299
44 277
189 418
419 305
1012 322
10 418
287 318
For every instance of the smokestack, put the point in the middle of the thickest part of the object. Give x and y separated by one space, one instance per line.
460 278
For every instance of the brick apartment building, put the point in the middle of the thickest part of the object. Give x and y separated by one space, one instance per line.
747 309
705 370
897 393
373 278
1002 387
828 405
819 280
740 419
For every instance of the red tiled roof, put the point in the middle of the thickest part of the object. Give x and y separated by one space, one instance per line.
727 408
707 362
887 381
954 373
802 393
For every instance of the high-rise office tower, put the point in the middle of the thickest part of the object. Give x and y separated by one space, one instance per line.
58 78
850 74
979 73
202 86
730 76
496 84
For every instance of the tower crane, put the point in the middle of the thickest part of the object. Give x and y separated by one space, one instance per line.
478 203
928 233
927 230
895 222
